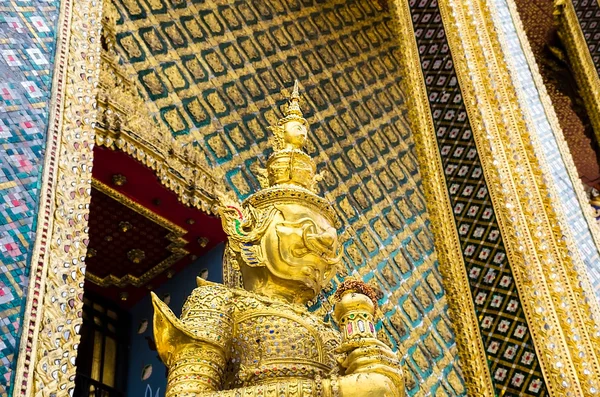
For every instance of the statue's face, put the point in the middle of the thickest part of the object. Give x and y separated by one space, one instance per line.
295 133
300 245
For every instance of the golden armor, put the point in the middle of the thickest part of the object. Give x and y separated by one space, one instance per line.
254 336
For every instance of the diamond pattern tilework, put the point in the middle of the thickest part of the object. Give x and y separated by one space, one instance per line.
588 13
26 55
212 72
513 364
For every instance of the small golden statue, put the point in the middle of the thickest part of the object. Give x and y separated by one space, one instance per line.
254 336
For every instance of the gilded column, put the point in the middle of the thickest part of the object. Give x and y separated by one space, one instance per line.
527 315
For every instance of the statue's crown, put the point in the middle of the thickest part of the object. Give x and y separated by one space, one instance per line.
289 164
290 173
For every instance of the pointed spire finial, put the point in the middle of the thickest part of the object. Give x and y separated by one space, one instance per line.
295 91
294 103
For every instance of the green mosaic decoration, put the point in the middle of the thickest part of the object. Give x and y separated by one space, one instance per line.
215 73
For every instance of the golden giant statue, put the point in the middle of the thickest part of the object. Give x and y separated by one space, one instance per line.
254 336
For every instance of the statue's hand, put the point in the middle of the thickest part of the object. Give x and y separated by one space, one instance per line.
371 356
370 384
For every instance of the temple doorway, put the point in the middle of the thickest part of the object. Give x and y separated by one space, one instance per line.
141 239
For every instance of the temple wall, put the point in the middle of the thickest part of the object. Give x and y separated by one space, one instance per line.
551 145
27 47
214 73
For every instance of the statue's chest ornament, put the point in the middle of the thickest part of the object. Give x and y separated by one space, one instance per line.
274 340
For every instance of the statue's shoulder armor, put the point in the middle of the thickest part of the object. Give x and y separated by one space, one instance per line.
207 298
205 319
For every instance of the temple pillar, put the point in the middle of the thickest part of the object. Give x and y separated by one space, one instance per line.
52 315
514 273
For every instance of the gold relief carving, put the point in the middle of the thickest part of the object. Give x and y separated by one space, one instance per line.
132 6
174 120
213 23
267 79
374 189
313 63
216 143
265 43
322 136
419 357
411 310
256 129
361 198
432 346
175 236
128 42
246 12
295 33
367 149
434 284
216 102
328 177
280 37
354 253
340 166
425 242
175 77
380 229
368 241
230 17
250 49
194 28
155 4
355 158
394 220
397 170
310 147
391 279
252 87
423 296
347 208
153 83
379 69
237 137
402 263
174 34
194 67
381 145
235 95
233 56
455 382
386 180
196 110
349 121
152 40
388 131
336 127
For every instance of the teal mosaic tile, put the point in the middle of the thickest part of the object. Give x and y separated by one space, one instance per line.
27 45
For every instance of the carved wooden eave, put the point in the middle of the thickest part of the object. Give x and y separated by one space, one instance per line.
123 125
